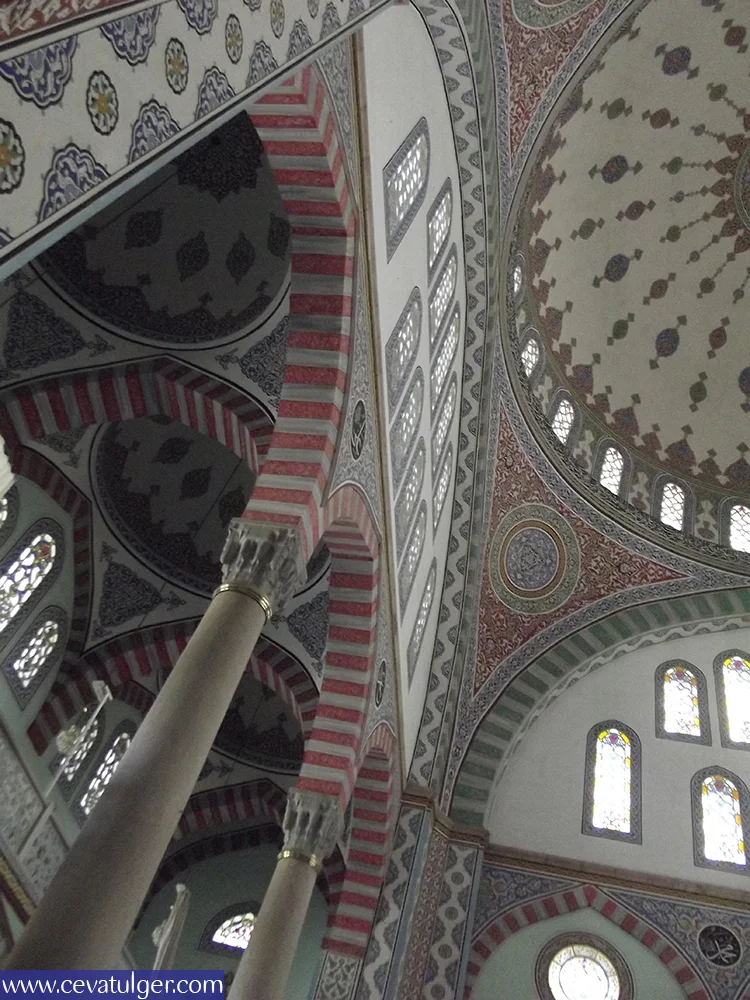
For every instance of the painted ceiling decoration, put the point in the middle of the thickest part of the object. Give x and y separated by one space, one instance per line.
633 256
193 255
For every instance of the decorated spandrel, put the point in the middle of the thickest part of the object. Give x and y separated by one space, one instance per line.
681 713
23 574
736 674
612 781
722 821
236 931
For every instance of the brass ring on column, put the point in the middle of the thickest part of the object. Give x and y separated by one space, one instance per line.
254 595
291 855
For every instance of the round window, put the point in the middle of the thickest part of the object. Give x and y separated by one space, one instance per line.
582 967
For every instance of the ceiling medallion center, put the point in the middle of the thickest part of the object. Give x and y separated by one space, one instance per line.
534 559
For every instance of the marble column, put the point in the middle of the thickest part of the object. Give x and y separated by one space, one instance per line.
85 916
312 825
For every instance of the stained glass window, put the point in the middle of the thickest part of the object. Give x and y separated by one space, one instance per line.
103 774
580 972
440 489
36 652
423 615
735 675
562 422
405 180
681 712
81 752
440 433
612 784
406 425
672 510
611 471
441 366
23 574
412 556
739 528
401 349
723 838
442 296
236 931
530 355
438 226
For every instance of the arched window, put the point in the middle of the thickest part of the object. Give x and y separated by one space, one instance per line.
518 277
720 803
562 421
406 425
612 783
408 498
442 295
732 674
682 703
412 556
36 653
423 616
672 508
443 425
610 474
739 528
440 488
84 748
29 571
580 966
443 360
106 767
405 183
402 346
530 355
438 226
229 932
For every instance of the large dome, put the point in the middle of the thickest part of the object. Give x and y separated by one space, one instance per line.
634 238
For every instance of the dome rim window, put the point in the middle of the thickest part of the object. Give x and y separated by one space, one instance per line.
688 504
396 384
406 579
437 327
721 699
24 694
730 507
396 226
446 189
415 648
696 808
399 461
531 335
704 738
545 958
607 446
568 441
634 835
207 942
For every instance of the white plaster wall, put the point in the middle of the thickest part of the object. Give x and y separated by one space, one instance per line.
508 974
403 83
538 803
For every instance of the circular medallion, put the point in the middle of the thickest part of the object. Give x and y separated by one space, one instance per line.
534 560
277 17
233 38
12 158
742 187
719 945
101 102
380 684
359 428
176 64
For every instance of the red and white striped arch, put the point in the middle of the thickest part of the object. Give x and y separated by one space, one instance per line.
137 655
261 801
333 748
160 387
350 924
39 470
296 125
549 907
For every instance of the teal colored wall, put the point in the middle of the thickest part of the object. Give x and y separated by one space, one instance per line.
508 974
215 884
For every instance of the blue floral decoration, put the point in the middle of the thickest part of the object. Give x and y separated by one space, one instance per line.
73 172
40 76
200 14
153 125
133 35
214 90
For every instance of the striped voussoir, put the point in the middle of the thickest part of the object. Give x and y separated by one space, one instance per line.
334 745
34 467
349 925
137 655
211 810
297 127
548 907
160 387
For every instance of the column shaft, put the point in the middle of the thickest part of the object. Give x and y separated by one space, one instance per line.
86 914
264 969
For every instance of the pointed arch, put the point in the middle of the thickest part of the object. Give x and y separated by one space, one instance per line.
682 703
721 813
732 675
612 782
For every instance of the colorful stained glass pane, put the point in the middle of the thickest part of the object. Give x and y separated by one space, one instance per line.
736 672
580 972
236 931
104 772
612 781
23 574
722 821
681 713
